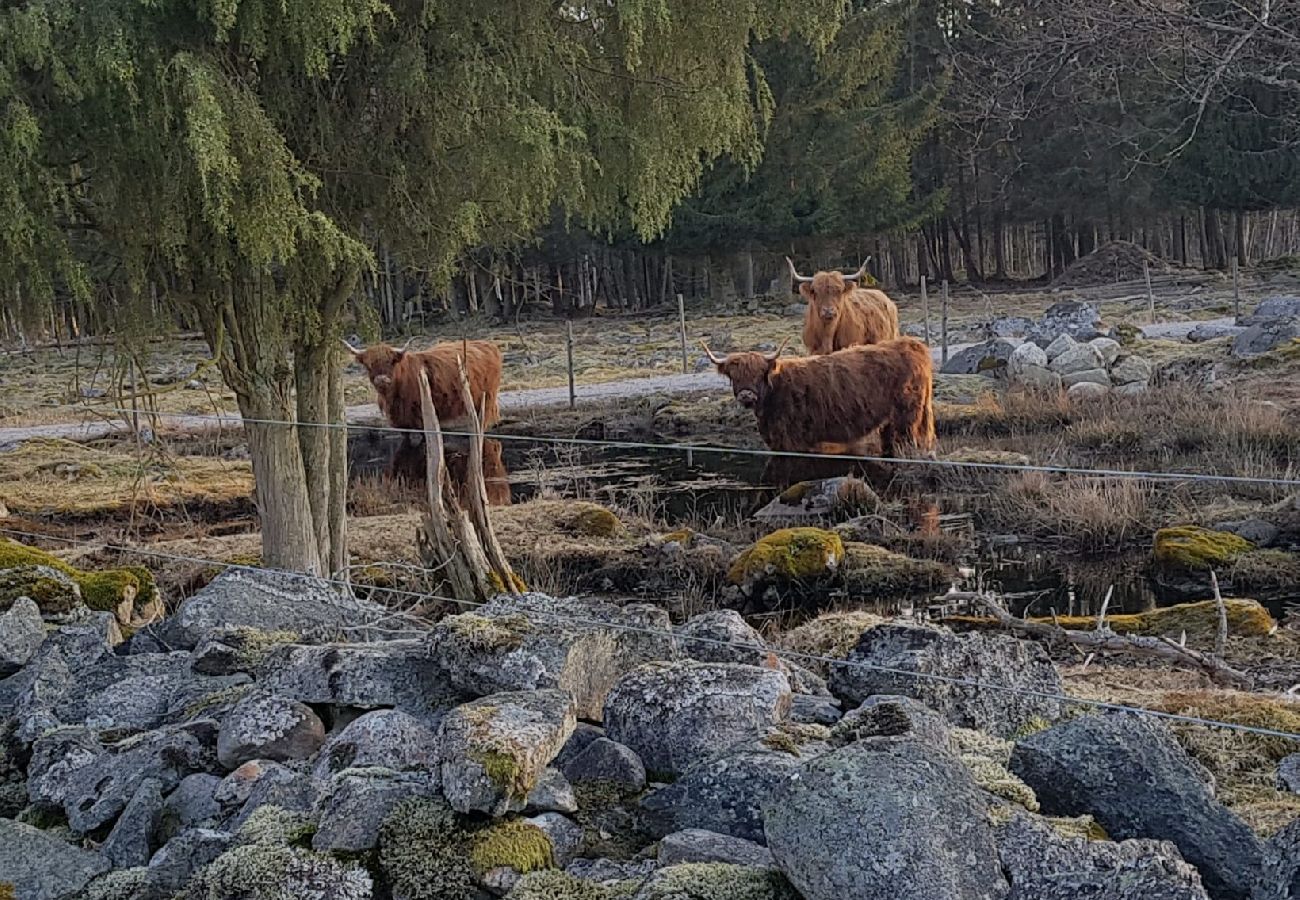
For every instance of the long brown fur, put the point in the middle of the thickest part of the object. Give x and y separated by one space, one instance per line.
834 402
841 314
395 375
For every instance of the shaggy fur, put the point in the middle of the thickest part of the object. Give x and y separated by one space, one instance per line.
840 314
395 375
831 404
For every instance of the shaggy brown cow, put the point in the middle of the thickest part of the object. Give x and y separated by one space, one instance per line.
832 404
840 314
396 376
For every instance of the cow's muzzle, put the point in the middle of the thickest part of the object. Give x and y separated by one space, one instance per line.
383 381
747 397
828 313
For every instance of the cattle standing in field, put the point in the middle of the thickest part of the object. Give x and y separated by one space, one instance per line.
840 314
831 404
395 375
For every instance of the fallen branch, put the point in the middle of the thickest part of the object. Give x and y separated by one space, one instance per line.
1220 637
1105 640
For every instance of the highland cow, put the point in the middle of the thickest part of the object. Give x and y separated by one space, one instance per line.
840 314
395 375
832 404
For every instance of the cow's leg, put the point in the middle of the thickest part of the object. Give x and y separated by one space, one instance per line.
887 440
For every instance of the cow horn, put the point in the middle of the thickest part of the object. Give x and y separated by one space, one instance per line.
860 272
772 356
353 350
794 273
716 360
407 345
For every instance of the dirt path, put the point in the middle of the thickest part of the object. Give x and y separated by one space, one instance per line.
513 401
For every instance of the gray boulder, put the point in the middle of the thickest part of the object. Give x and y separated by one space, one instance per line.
937 656
883 819
1109 349
173 865
268 601
583 734
30 694
1087 391
815 709
1282 307
494 750
565 835
1288 774
1265 336
1069 317
1211 331
133 838
886 716
280 787
1007 326
56 759
1132 370
230 650
266 726
385 738
724 794
1043 865
192 805
22 631
355 804
1059 345
1079 358
694 845
396 674
1279 877
1039 379
1026 356
1133 778
536 641
552 793
608 762
721 636
1259 532
235 789
673 715
42 867
985 357
97 793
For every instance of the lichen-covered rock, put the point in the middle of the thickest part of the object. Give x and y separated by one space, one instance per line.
985 357
1279 877
564 834
278 787
39 866
1137 782
233 649
192 805
724 794
887 716
385 738
271 824
494 750
552 793
617 875
1079 358
788 555
1043 865
913 808
1038 378
1132 370
675 714
136 832
695 845
1026 356
1109 349
715 881
722 636
235 789
1054 347
268 601
1265 336
188 852
97 793
830 499
1288 774
885 658
535 641
30 694
1197 549
396 674
268 872
831 635
423 852
57 756
1086 391
121 884
266 726
555 885
355 805
22 631
608 762
1070 319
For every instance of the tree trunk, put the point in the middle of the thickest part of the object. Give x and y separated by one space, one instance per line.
999 248
749 273
1243 256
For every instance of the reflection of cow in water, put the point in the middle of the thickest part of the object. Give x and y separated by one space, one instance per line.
408 465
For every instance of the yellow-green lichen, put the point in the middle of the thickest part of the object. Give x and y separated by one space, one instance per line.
832 635
591 520
1195 548
503 770
716 881
275 825
424 852
7 891
104 590
483 634
1200 620
1084 826
555 885
874 572
792 554
514 845
999 781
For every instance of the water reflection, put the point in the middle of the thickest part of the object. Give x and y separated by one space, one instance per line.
402 460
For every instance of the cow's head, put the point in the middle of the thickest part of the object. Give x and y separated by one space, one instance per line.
379 361
749 372
825 291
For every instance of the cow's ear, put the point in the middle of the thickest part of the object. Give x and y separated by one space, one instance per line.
805 291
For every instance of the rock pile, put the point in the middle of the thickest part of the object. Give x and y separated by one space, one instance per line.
1112 262
1084 370
547 748
1274 323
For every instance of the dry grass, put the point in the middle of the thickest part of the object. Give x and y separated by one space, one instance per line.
1086 515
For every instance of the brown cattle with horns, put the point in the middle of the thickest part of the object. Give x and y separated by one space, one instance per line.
832 404
840 314
395 375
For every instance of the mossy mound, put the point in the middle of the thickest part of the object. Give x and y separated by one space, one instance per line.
592 520
831 635
1200 620
555 885
266 871
870 571
423 852
129 592
122 884
1194 548
275 825
716 881
55 593
514 845
791 554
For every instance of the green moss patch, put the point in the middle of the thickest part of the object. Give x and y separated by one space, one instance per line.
120 591
1195 548
791 554
717 881
1200 620
515 844
871 571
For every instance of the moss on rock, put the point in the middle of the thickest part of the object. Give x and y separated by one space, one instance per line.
871 571
790 554
424 852
111 590
554 885
716 881
485 634
514 845
1200 620
832 635
275 825
1195 548
593 520
266 871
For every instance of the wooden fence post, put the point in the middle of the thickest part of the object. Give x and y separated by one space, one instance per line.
943 324
925 309
1151 296
568 329
681 320
1236 288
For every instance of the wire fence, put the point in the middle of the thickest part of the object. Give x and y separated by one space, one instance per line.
678 637
236 421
